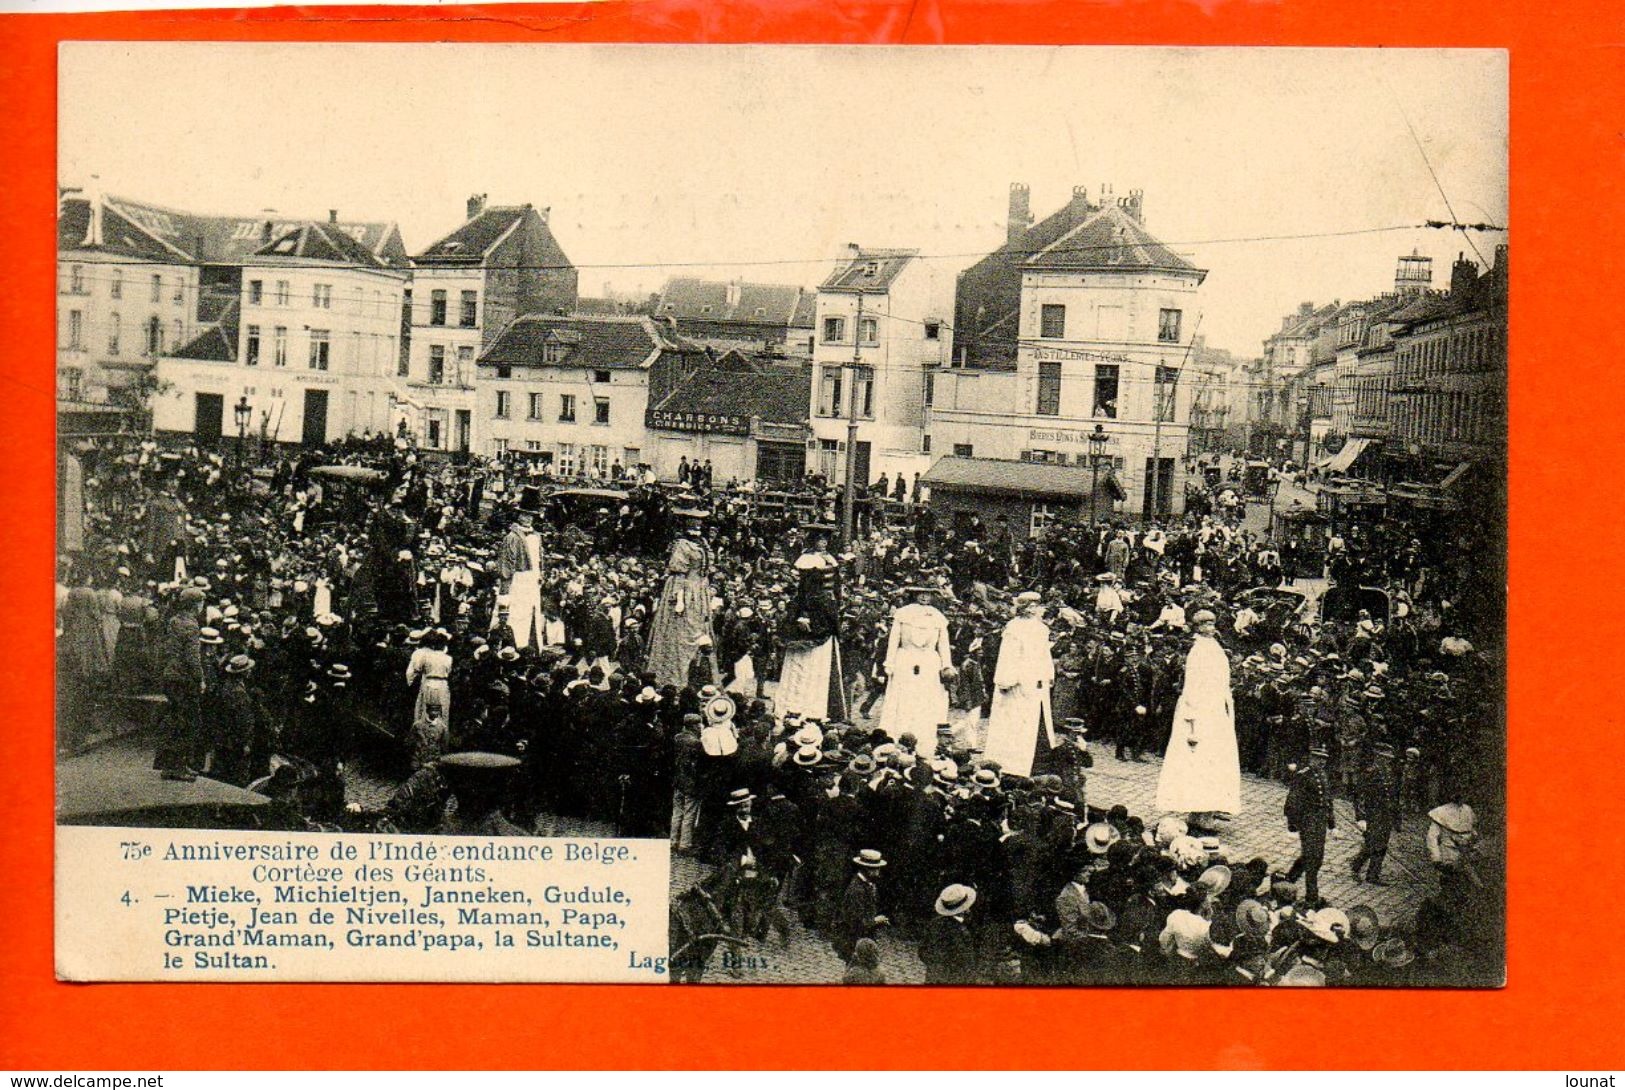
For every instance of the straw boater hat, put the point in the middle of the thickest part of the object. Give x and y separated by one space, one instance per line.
476 775
739 796
239 664
955 900
869 859
1099 837
807 756
210 636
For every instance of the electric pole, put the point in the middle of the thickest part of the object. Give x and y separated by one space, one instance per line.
847 521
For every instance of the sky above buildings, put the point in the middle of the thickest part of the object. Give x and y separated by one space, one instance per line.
764 162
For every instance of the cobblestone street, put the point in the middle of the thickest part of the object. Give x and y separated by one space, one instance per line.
1259 831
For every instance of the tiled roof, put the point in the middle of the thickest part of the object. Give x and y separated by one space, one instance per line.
623 343
1005 477
868 271
806 314
592 305
987 297
1109 239
320 242
120 235
468 244
778 396
217 342
228 240
689 298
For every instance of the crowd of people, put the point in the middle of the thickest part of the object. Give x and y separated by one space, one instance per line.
299 619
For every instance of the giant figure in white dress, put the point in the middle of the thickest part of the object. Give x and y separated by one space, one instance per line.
1201 772
1021 724
919 663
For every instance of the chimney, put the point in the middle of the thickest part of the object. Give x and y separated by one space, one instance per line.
332 215
476 204
1020 216
1414 274
1463 274
545 213
93 194
734 292
265 233
1080 195
1133 204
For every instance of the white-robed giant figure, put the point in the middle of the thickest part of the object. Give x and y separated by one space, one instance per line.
919 662
1021 725
1201 772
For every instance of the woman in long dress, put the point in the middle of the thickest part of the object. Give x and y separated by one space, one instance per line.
681 629
1021 723
811 679
919 663
1201 772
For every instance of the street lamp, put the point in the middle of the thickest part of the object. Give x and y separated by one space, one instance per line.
1097 440
1275 490
242 411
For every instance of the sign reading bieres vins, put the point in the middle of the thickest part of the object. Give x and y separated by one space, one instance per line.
154 904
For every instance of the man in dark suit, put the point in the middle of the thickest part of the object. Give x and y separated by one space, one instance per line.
860 909
1309 814
1378 813
948 948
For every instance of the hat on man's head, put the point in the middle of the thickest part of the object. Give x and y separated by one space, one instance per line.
869 859
1215 880
1365 926
239 664
1099 837
1098 917
807 756
1253 919
210 636
740 795
955 900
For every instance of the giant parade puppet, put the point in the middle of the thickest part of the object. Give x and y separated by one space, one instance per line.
519 569
1201 772
681 629
810 683
919 665
1021 723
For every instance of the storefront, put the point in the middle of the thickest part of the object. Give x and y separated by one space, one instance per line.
1029 495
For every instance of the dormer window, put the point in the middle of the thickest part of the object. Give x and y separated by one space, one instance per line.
553 352
872 269
285 246
761 312
706 309
452 247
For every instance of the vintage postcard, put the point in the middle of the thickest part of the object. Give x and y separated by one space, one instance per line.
1011 516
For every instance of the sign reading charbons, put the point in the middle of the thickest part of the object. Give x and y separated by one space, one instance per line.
714 423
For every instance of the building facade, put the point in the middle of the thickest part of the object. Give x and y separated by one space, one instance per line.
1447 409
572 392
310 345
1105 326
881 338
735 315
124 298
502 262
746 417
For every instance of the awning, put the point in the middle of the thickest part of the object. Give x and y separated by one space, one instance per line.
1346 457
1454 477
1002 477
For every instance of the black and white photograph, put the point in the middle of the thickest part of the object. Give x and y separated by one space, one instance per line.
1005 516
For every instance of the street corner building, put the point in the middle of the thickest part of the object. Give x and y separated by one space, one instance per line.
1073 346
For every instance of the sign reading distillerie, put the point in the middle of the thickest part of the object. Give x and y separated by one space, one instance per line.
716 423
